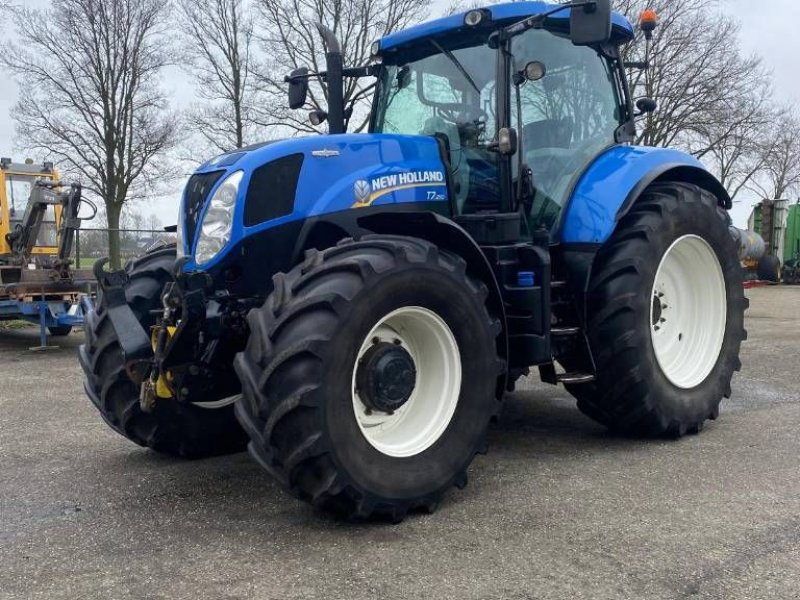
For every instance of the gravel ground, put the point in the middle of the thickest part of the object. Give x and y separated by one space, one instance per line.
557 509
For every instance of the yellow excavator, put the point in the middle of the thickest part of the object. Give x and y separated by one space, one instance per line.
38 219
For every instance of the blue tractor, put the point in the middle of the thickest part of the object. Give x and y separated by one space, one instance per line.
354 306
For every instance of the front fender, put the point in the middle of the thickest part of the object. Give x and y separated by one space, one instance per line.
610 185
447 234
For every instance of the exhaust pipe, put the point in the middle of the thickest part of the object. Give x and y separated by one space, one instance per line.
334 79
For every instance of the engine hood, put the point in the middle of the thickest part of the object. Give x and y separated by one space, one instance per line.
329 173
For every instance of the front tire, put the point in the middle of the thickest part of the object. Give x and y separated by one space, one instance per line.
665 311
172 427
370 375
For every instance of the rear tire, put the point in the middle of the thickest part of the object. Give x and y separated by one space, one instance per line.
769 268
176 428
648 384
301 372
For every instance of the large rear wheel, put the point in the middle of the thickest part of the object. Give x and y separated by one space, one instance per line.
370 375
190 430
664 316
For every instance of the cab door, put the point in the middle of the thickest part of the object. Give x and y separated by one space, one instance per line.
567 108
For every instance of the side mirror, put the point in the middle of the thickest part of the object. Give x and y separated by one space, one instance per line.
646 105
317 117
298 87
590 22
507 141
535 70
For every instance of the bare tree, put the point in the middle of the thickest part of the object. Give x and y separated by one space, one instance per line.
218 35
737 145
89 97
781 173
291 40
697 73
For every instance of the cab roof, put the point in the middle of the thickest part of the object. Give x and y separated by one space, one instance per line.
6 164
621 30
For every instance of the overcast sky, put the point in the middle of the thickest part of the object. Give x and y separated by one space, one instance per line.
769 29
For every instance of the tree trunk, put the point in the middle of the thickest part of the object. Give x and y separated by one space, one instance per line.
112 214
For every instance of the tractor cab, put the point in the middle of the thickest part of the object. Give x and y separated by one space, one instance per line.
17 181
562 102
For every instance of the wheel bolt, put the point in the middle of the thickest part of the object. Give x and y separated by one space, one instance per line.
397 342
376 340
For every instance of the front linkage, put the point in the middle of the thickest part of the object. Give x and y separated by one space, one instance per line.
188 351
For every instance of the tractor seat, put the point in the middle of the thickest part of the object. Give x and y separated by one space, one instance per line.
549 133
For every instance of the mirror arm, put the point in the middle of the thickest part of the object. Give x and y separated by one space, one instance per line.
309 75
358 72
522 26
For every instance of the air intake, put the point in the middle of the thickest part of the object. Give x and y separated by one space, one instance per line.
272 189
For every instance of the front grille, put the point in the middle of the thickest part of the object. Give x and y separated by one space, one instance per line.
195 197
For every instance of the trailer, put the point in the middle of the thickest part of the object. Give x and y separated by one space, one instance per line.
38 219
778 223
791 264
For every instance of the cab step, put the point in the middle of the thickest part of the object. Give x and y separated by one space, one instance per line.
575 378
564 331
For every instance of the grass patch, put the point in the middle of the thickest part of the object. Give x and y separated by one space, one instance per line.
16 324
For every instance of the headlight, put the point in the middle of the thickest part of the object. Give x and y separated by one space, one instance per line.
215 230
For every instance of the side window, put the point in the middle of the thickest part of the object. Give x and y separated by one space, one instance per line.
569 108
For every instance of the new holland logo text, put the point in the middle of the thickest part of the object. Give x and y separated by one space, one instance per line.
366 192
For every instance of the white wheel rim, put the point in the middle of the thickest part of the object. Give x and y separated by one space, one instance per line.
422 420
688 311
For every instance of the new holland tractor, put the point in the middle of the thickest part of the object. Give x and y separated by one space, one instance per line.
354 306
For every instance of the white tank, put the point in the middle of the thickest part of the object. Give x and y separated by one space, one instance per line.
751 245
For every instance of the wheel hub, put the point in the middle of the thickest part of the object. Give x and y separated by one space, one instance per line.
386 376
406 381
656 312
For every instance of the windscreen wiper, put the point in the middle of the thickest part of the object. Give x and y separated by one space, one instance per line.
457 64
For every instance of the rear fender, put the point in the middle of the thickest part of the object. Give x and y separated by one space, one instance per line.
611 185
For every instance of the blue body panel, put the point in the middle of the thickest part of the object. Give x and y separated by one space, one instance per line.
622 28
349 171
591 213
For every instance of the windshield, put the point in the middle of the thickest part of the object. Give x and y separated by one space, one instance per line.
18 191
448 92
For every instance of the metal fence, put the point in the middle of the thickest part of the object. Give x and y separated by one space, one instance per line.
92 244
